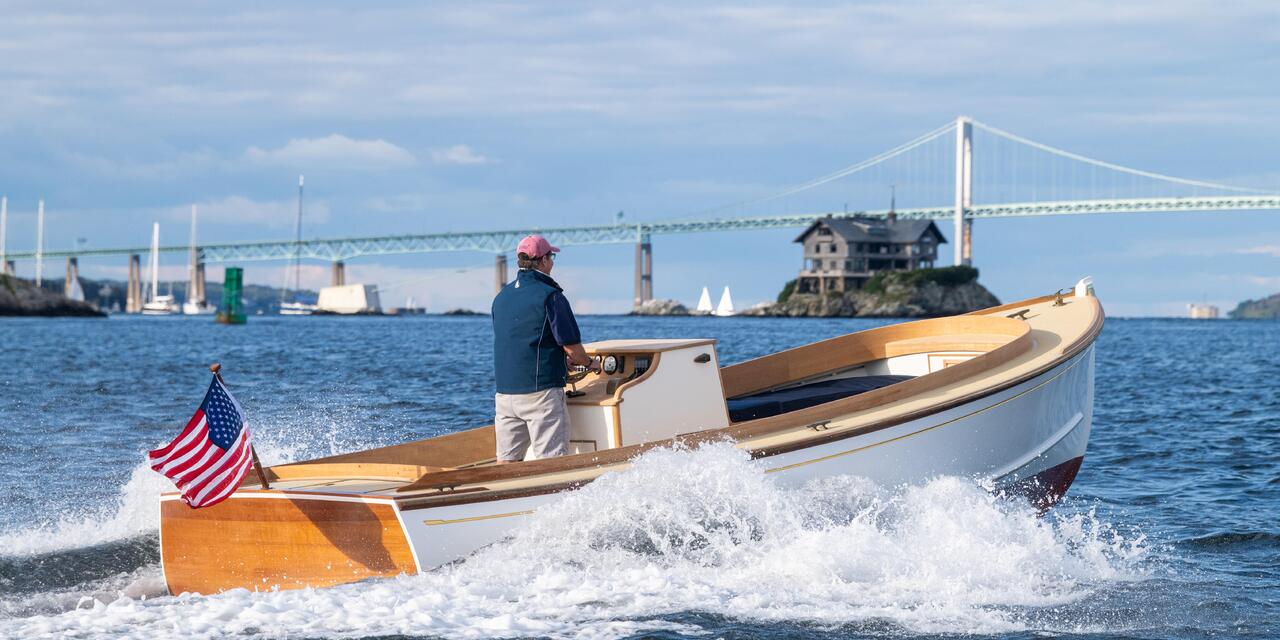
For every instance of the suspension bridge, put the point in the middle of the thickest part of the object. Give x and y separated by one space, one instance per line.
938 176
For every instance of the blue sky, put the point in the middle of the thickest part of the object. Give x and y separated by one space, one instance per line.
463 116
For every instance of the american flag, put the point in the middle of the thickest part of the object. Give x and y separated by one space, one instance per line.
211 456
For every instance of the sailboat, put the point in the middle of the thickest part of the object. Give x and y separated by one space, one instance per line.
296 307
195 304
156 304
704 303
77 292
725 308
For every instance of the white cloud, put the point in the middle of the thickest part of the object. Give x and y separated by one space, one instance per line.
1272 250
459 154
239 210
1270 283
334 151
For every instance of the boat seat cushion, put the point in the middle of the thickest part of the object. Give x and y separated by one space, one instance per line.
772 403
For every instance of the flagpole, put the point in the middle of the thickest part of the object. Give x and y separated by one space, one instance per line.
216 368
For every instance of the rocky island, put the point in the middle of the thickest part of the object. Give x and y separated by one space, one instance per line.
1267 308
659 308
922 293
23 298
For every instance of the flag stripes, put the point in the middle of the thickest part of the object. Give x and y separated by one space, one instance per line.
204 472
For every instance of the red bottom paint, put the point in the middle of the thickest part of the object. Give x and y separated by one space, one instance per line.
1044 489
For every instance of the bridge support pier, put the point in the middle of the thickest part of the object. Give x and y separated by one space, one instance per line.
73 274
499 272
9 268
198 284
968 241
964 191
133 291
644 270
339 276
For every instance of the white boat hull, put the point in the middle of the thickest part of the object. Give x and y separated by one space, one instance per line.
1028 439
194 309
297 309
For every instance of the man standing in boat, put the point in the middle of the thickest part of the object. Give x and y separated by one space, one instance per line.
534 333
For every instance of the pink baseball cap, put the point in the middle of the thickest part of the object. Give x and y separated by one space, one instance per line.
536 246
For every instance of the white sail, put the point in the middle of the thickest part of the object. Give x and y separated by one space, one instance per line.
152 287
704 302
77 292
725 308
156 304
195 304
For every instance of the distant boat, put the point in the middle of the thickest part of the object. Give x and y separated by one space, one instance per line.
195 304
76 293
296 307
704 302
725 308
156 305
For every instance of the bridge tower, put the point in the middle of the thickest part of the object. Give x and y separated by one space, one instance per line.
133 290
963 236
644 269
499 272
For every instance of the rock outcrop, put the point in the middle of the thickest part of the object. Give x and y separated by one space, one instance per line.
1267 308
22 298
660 308
924 293
459 311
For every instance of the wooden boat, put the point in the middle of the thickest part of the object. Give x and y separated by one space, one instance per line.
1004 395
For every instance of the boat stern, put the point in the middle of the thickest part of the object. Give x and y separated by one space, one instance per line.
264 540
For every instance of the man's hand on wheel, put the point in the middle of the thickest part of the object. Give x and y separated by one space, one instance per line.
578 357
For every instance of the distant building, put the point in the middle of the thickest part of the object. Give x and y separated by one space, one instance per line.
1202 311
841 254
350 299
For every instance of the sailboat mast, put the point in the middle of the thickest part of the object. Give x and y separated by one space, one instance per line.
40 242
4 240
297 243
154 266
191 260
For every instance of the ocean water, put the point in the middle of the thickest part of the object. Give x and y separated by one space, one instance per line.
1170 530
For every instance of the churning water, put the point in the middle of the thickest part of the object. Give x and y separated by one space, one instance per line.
1169 531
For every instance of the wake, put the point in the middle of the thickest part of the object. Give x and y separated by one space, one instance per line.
693 531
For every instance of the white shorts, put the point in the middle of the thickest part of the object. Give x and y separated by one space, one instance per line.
539 418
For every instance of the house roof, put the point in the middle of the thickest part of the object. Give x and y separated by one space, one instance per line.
876 229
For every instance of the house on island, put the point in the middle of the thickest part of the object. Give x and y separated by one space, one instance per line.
841 254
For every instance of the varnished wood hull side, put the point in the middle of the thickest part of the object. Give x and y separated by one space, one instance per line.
263 543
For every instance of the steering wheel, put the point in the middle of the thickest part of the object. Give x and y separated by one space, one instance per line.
576 374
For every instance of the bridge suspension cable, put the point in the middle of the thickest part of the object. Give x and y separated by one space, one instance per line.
836 175
1108 165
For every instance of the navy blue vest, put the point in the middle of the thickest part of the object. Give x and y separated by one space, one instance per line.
526 357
